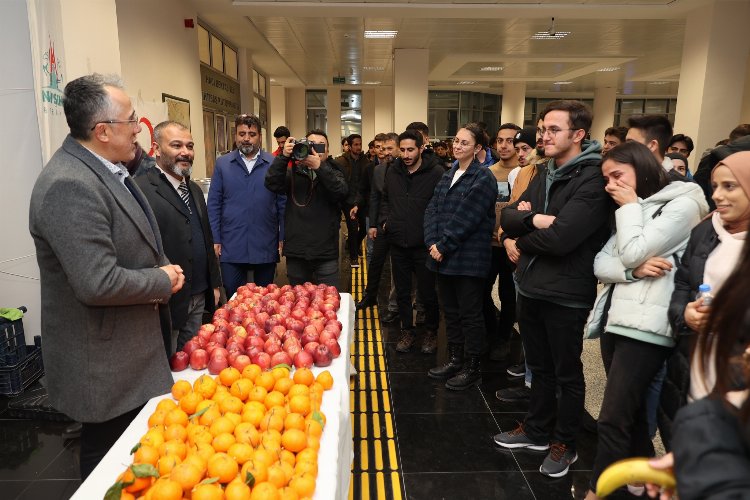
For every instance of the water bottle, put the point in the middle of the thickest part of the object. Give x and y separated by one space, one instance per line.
704 292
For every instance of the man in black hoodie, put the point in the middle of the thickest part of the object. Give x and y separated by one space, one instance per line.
407 189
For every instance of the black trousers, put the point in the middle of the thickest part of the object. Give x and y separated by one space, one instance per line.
552 338
98 438
499 331
356 230
623 421
380 251
300 271
404 262
462 308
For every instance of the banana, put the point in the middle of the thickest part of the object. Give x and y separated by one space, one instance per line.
629 471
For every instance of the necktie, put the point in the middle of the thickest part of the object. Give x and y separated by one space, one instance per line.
185 195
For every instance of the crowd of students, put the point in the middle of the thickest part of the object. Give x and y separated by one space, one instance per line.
608 242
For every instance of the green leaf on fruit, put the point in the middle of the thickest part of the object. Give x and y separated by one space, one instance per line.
210 480
318 418
115 491
144 470
135 448
283 365
199 413
250 479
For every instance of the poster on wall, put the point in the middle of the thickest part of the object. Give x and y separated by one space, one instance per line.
151 114
178 109
48 55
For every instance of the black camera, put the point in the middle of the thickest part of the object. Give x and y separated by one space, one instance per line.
304 148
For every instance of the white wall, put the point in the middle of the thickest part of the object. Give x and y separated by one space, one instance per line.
295 111
22 163
384 110
159 55
90 36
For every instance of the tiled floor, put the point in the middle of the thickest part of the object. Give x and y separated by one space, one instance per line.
444 440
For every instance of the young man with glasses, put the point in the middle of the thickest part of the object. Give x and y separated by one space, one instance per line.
559 224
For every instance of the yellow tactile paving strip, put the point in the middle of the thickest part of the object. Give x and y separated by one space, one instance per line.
376 471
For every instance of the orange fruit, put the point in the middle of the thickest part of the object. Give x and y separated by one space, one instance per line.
271 439
298 390
251 371
196 460
326 379
288 493
280 372
222 466
300 404
167 463
223 441
229 375
154 437
313 428
313 442
187 475
205 386
246 433
205 451
157 418
283 385
253 415
139 483
303 376
276 476
241 452
257 393
294 440
274 398
165 489
173 447
146 454
286 456
307 455
207 492
294 421
265 380
288 470
175 432
220 396
176 416
237 490
221 425
166 404
241 388
235 418
231 404
265 491
180 388
264 457
303 484
124 495
306 466
189 402
199 434
257 469
209 416
206 403
272 420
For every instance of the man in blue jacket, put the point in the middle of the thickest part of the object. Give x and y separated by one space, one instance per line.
247 220
552 234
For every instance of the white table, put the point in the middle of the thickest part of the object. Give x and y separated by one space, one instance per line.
336 446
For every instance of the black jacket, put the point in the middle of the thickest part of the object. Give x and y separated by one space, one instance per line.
711 452
313 214
405 198
174 225
703 173
353 171
557 263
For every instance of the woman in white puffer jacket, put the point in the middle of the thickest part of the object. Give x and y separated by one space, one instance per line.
652 228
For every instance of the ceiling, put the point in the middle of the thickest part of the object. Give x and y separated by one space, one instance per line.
308 43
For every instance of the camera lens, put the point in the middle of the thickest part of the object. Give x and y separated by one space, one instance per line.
301 150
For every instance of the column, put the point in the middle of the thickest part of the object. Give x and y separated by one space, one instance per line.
245 70
334 121
605 100
514 100
713 74
410 70
296 110
277 113
368 116
745 113
384 109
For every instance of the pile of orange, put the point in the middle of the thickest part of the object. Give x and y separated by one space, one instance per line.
253 435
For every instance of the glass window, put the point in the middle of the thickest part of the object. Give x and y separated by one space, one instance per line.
491 102
656 106
204 45
261 85
317 98
230 61
443 99
255 81
351 112
631 106
217 53
317 114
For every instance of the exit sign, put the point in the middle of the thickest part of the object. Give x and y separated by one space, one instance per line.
339 80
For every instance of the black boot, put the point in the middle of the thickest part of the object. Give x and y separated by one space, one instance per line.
468 376
367 301
452 366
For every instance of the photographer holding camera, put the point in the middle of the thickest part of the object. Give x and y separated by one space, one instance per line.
315 188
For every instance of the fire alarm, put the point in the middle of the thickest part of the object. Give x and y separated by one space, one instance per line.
189 23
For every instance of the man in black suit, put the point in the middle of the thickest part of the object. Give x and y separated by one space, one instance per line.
180 210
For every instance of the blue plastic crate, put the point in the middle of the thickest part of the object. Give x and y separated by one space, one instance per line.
12 341
15 378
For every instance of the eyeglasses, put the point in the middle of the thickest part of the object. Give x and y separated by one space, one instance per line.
132 121
459 142
553 130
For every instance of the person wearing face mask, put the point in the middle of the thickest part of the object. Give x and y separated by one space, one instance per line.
181 214
247 220
711 255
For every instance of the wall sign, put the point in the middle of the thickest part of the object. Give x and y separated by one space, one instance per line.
220 92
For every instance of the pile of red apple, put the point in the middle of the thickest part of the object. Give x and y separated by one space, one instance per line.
267 326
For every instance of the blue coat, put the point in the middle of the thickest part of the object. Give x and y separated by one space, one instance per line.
459 220
246 218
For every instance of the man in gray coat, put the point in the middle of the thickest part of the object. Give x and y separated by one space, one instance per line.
102 269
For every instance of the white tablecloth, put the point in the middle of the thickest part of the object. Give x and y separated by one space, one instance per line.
336 446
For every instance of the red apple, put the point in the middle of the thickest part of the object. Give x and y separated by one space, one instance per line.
322 356
333 346
241 361
254 341
179 361
325 335
310 347
216 364
281 358
198 359
219 351
190 346
309 336
278 331
272 346
303 359
219 338
263 360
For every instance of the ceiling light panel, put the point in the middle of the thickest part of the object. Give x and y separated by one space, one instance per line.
380 33
546 35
